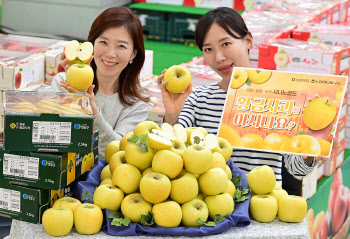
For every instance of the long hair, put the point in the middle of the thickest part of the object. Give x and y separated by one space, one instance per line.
129 87
225 17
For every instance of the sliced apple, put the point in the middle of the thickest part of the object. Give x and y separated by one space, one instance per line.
168 130
77 52
159 142
180 132
211 141
197 137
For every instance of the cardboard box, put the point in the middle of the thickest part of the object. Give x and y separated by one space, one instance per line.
44 170
301 56
309 184
320 170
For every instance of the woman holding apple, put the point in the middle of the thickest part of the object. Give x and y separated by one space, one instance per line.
117 101
224 38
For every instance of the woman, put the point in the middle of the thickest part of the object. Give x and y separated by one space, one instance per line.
225 41
117 102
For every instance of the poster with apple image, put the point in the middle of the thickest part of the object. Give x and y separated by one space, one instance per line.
282 111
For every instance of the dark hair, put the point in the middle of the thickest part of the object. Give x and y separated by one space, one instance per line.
225 17
129 87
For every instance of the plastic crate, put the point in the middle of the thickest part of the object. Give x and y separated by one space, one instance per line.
181 28
153 23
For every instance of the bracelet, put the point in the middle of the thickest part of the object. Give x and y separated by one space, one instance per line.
95 115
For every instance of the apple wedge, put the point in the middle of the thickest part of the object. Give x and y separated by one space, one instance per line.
157 141
77 52
211 141
174 132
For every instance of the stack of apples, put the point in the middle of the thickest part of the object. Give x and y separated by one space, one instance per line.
179 174
269 199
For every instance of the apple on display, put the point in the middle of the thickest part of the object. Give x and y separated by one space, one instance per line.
80 76
178 78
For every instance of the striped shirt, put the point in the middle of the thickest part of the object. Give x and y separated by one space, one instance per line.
204 108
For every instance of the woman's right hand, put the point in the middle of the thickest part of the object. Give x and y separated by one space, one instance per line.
173 103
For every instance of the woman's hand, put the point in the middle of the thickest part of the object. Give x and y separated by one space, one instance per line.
321 158
66 63
173 103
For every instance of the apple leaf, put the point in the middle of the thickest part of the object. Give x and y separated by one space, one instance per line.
121 221
147 220
218 218
133 139
143 139
248 82
113 214
142 147
208 224
300 133
236 180
239 195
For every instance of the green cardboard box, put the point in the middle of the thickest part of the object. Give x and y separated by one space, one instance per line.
45 170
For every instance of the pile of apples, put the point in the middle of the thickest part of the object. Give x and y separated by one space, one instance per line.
269 199
177 174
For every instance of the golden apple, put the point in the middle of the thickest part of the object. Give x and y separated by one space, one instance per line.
218 161
224 148
278 194
239 78
107 181
192 211
263 208
124 140
325 147
184 188
158 142
213 181
319 113
220 204
231 189
200 196
254 141
228 172
304 144
178 147
58 221
259 76
278 185
275 141
80 76
127 177
168 163
111 149
68 202
262 179
231 135
167 214
155 187
339 93
135 156
197 159
108 197
190 130
134 205
117 159
292 208
178 78
174 132
145 127
77 52
147 171
88 219
105 173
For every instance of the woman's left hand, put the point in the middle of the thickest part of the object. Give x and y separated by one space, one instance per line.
321 158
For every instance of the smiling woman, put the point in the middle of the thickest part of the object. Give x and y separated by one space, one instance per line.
117 99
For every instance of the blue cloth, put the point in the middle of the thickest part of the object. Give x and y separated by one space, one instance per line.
239 217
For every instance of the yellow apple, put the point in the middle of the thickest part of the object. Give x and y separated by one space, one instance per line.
127 177
147 171
197 159
220 204
24 107
178 78
190 130
239 78
168 163
58 221
200 196
107 181
117 159
135 156
158 141
174 132
263 208
292 208
262 179
303 144
178 147
155 187
77 52
111 149
145 127
224 148
339 93
106 173
213 181
108 197
231 189
134 205
319 113
124 140
184 188
325 147
254 141
88 219
68 202
231 135
228 172
218 161
80 76
278 193
167 214
192 211
275 141
259 76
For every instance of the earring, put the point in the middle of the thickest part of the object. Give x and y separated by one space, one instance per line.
130 62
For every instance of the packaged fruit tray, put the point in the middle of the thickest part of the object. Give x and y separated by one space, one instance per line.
25 43
30 102
7 58
239 217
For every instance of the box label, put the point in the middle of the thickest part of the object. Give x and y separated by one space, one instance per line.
71 167
10 200
51 132
21 166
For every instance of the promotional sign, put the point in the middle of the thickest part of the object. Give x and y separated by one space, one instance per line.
282 111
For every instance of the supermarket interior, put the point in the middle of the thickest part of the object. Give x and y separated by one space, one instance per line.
259 149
